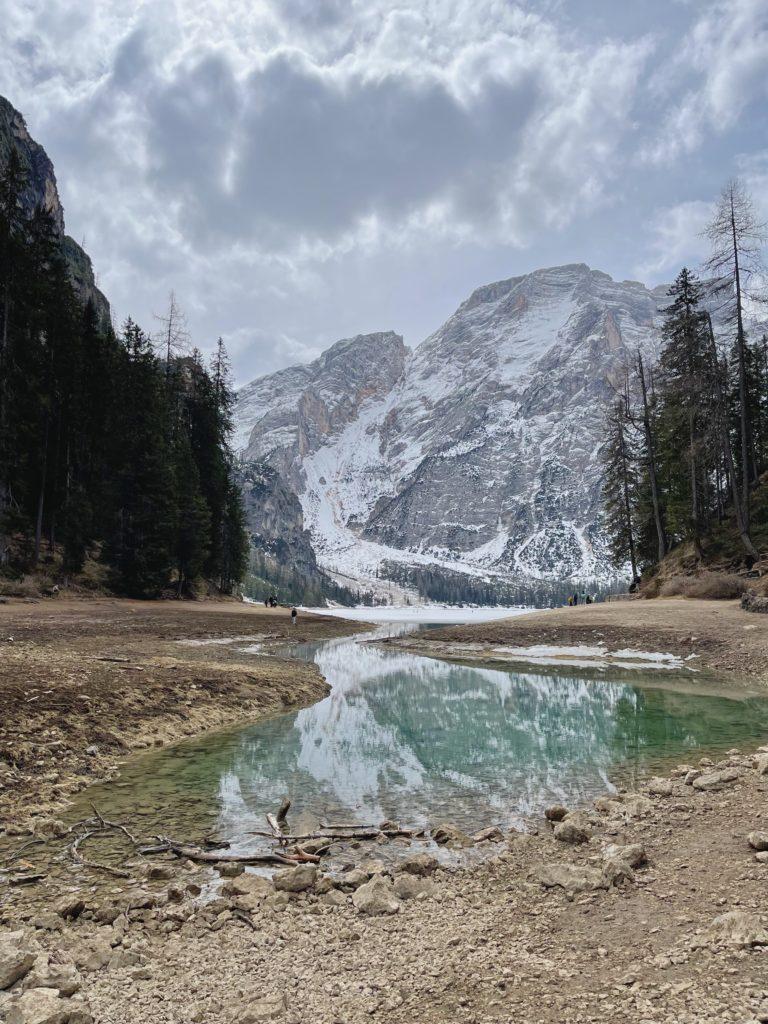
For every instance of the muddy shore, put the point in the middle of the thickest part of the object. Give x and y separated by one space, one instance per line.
711 636
85 683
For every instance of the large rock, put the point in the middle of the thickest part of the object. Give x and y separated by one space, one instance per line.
16 958
45 1006
418 864
46 973
736 928
353 879
658 786
297 879
625 805
247 884
758 840
376 897
717 780
451 835
574 828
571 877
634 854
408 887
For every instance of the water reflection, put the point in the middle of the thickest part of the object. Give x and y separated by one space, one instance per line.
421 740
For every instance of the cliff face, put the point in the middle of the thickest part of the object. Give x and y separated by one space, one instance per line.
40 190
477 453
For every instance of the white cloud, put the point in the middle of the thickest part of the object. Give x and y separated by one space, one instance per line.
676 239
722 68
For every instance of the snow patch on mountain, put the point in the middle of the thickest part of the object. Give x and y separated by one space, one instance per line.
478 452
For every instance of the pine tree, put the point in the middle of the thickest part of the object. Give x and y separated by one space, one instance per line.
620 488
684 424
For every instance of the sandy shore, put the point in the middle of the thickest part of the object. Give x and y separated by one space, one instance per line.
706 635
84 683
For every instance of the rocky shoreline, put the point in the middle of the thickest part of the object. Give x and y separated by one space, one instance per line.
645 906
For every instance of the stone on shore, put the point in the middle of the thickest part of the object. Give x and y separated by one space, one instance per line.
418 864
376 897
297 879
45 1006
247 884
555 813
634 854
16 958
263 1008
571 877
660 787
408 887
736 928
716 780
451 836
758 840
574 828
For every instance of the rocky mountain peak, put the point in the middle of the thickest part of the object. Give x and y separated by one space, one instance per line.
40 190
475 454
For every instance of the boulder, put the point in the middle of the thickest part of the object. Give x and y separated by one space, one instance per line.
634 854
760 764
352 879
408 887
45 1006
65 978
758 840
658 786
451 835
297 879
16 958
626 805
736 928
376 897
555 813
762 857
574 828
247 884
571 877
492 834
335 898
418 864
711 781
691 776
617 871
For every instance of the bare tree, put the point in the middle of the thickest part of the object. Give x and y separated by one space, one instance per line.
737 239
173 337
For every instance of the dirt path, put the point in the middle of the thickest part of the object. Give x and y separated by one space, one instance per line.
83 683
723 638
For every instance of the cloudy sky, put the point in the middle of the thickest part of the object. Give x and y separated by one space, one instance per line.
305 170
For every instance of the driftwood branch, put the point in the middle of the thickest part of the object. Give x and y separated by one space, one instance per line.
211 857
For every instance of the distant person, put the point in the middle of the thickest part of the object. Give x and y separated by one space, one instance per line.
570 600
294 616
272 601
575 600
266 602
588 599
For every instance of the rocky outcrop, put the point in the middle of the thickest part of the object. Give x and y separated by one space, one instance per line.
476 453
40 190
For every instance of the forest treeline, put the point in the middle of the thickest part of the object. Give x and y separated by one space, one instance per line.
113 446
686 438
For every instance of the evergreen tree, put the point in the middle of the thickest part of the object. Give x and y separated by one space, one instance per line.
620 487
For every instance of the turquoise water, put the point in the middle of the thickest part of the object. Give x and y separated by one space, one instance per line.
420 740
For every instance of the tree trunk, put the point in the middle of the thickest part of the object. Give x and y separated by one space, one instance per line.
658 518
743 400
742 522
627 502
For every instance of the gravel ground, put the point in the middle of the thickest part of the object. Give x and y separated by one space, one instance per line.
679 938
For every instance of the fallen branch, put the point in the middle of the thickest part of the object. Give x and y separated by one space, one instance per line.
210 857
362 833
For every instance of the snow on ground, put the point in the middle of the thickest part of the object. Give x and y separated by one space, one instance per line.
582 656
422 613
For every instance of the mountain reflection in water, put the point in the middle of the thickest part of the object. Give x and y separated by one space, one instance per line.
420 740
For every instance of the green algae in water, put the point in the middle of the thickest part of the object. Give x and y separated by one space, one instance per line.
420 740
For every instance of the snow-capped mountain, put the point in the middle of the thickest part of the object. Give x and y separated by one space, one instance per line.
475 453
